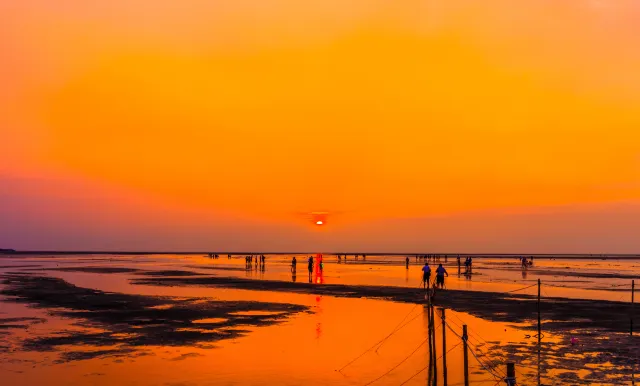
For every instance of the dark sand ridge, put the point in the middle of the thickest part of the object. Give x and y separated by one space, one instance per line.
18 266
558 313
130 322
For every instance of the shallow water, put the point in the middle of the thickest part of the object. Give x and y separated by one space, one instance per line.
310 347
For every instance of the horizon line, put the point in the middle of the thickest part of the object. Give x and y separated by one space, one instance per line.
480 254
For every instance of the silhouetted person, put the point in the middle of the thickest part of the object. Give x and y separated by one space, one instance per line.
440 272
426 275
407 262
294 265
310 268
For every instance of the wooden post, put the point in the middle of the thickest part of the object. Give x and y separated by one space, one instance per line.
435 351
539 327
633 290
430 343
511 374
539 333
466 355
444 348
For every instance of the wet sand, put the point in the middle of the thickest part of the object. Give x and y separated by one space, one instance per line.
561 313
134 320
195 321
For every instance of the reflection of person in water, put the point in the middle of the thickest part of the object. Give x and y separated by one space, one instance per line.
319 276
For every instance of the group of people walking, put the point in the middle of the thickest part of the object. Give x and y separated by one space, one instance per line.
355 257
249 260
440 273
432 258
526 263
318 265
311 264
216 256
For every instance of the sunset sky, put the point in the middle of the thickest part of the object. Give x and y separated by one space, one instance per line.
419 126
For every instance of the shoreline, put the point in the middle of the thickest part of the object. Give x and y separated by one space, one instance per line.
568 256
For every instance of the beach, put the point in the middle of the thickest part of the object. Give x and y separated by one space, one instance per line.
196 320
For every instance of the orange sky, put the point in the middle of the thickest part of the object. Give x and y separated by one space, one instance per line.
199 125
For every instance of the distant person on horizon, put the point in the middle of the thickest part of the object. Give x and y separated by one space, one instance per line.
426 275
310 267
294 264
407 261
440 272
